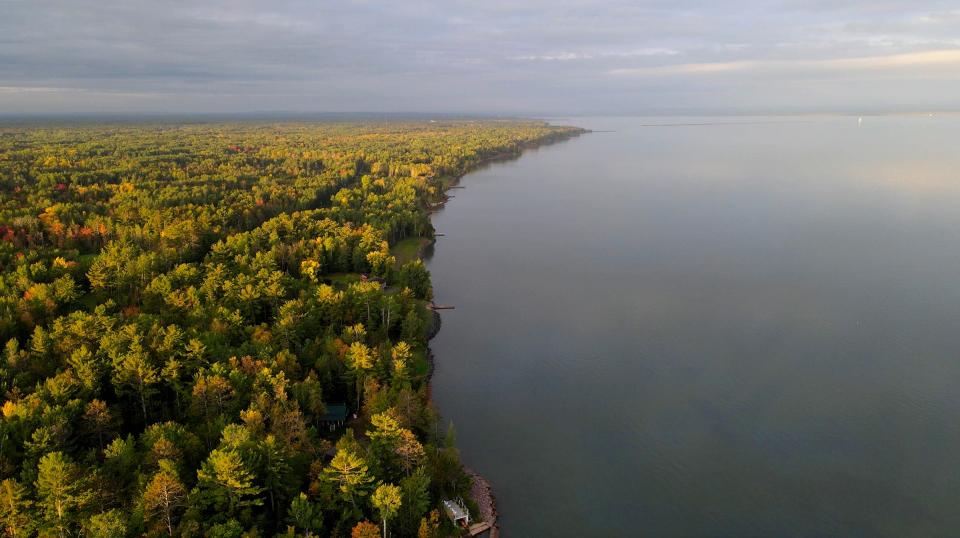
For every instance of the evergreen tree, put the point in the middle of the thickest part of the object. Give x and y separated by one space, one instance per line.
61 493
351 475
16 514
305 515
229 481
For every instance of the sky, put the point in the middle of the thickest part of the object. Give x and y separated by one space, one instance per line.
514 57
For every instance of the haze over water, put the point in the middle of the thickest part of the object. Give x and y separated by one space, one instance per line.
749 328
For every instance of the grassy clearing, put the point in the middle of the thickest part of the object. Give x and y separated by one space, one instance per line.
341 280
409 249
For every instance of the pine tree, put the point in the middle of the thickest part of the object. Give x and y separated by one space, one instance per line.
415 490
16 515
61 492
228 479
305 515
109 524
135 371
350 474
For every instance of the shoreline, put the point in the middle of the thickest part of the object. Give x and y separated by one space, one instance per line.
481 491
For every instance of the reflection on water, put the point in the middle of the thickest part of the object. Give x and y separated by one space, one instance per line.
729 329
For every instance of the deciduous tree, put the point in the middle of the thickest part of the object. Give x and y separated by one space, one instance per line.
386 499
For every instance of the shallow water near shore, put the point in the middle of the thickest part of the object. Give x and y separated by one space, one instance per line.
750 327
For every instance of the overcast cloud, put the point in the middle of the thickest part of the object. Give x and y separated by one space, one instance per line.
491 56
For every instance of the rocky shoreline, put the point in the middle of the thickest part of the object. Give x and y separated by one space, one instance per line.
482 494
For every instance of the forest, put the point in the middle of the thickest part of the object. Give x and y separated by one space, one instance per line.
186 308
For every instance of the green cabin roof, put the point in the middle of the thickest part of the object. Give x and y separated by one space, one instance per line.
335 413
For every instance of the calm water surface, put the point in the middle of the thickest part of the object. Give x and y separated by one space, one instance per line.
737 329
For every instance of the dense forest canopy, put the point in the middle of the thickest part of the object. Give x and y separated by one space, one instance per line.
185 308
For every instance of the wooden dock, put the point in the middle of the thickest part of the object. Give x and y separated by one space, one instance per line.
434 306
479 528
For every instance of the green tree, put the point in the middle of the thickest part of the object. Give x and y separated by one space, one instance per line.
109 524
135 371
87 368
351 475
305 515
276 471
415 490
229 480
414 275
412 326
228 529
16 515
61 492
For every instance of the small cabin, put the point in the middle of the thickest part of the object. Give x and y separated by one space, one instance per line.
335 417
457 512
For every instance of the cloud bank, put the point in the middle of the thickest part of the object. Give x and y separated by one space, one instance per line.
496 56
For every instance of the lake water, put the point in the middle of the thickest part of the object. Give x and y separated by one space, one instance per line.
747 327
